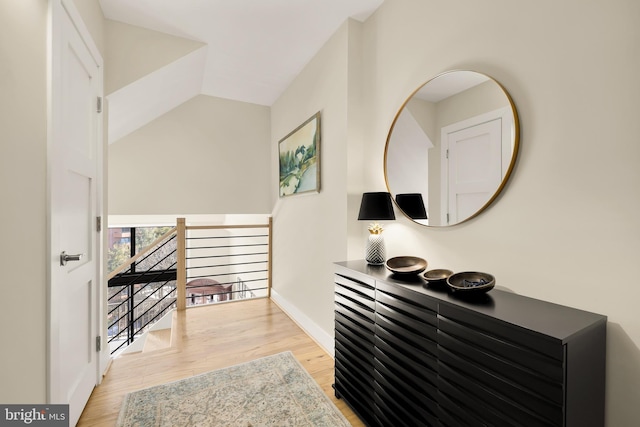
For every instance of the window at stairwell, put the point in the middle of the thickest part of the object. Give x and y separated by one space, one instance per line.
125 242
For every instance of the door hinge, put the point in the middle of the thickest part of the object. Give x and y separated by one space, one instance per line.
98 343
447 218
447 153
99 224
99 104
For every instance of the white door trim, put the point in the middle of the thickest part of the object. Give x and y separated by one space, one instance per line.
57 10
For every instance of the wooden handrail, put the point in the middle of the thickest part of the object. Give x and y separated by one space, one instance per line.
142 253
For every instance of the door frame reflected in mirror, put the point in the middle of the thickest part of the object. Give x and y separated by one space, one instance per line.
417 161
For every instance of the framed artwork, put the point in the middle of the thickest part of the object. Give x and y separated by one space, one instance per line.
300 159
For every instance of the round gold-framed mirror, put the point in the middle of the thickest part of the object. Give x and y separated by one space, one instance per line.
451 148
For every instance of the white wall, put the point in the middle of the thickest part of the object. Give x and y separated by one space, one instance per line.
207 156
565 229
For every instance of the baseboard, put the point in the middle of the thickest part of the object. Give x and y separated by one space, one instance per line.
323 339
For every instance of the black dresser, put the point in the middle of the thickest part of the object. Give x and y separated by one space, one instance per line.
408 353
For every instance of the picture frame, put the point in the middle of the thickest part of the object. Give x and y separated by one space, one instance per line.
299 159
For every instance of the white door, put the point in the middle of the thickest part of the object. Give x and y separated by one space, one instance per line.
75 191
474 168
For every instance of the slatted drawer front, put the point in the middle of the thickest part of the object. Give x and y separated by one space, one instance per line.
361 287
513 384
405 358
520 337
354 343
362 300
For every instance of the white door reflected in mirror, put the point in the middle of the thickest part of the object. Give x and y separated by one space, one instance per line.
454 141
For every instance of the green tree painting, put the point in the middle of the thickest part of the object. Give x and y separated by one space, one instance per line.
299 158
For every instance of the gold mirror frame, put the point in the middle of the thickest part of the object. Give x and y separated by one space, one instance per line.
429 107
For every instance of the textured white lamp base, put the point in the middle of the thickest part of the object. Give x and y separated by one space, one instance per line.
375 253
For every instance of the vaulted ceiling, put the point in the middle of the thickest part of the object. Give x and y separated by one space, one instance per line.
253 49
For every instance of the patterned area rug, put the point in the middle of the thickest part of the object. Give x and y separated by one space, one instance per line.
271 391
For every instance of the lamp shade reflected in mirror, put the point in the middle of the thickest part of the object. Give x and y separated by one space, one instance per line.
454 142
412 205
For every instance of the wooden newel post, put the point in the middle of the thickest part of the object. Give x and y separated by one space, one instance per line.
181 274
270 257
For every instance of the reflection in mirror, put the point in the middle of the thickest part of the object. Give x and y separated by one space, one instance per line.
454 142
412 204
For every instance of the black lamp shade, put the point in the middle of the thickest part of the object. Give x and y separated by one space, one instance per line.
412 205
376 206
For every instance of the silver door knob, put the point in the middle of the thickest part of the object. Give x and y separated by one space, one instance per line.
65 257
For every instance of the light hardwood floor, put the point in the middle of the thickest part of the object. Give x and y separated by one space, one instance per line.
207 338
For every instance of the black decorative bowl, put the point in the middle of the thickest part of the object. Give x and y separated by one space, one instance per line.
437 276
406 265
471 282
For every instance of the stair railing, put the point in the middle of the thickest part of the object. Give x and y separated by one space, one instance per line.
188 265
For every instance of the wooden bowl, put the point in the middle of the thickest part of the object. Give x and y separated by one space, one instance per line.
438 275
471 282
406 265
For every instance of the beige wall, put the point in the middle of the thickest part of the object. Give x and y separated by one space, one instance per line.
133 52
93 18
565 229
23 125
310 229
472 102
207 156
23 191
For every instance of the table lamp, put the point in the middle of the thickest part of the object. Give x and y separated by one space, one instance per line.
376 207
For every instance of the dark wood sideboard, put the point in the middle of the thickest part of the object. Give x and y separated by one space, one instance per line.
408 353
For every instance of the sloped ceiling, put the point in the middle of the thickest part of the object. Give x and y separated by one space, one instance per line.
253 50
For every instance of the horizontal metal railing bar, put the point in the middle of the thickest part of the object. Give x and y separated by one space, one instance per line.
225 293
228 255
143 252
217 227
230 236
229 274
226 265
232 292
227 246
225 283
